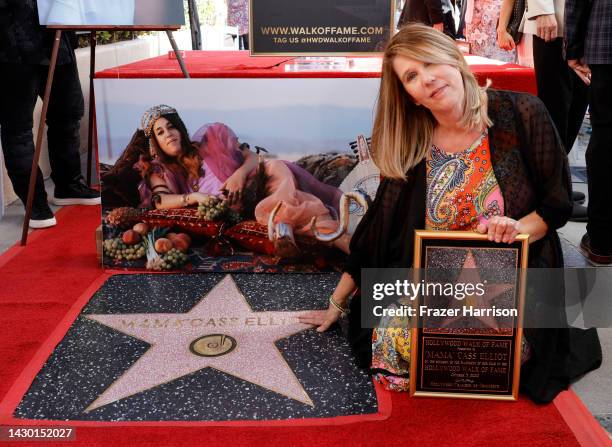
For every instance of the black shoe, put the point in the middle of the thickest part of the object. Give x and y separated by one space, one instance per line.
75 193
578 197
42 217
579 213
595 255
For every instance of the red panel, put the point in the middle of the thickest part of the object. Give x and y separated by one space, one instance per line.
239 64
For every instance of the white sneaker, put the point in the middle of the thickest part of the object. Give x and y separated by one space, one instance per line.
42 218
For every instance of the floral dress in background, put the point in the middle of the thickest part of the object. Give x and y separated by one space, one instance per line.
481 30
238 15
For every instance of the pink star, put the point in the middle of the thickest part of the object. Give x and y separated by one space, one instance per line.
470 275
220 332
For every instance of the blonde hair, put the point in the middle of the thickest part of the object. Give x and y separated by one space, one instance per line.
403 131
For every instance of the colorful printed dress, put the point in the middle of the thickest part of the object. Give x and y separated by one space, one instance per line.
462 192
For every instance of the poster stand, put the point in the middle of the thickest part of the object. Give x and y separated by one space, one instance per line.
92 117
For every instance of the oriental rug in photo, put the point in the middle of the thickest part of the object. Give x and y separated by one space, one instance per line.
468 337
201 348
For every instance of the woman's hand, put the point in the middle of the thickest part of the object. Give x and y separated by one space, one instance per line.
194 198
505 40
322 319
233 187
500 229
546 27
581 69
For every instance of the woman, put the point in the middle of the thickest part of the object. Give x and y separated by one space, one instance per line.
181 173
431 109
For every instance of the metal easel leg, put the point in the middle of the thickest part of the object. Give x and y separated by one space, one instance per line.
179 58
92 105
39 137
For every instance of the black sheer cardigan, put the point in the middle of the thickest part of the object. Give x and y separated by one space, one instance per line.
533 174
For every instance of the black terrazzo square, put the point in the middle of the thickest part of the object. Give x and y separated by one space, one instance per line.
311 375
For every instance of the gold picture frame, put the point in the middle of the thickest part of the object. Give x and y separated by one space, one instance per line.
470 363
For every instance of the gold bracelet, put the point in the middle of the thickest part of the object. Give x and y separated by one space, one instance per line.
338 306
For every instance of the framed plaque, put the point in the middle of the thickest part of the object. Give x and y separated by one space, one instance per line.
467 340
319 27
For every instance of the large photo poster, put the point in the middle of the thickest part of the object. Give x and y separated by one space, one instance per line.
255 175
111 12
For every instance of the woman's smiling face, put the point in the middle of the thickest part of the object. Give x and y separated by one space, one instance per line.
168 137
438 87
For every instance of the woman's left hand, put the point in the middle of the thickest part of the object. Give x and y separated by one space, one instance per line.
505 40
233 187
500 229
321 319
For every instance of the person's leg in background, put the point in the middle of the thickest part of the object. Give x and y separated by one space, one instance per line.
244 42
598 240
461 26
66 108
565 97
578 107
554 88
449 20
449 25
19 84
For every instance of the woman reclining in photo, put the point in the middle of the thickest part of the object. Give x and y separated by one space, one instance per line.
181 171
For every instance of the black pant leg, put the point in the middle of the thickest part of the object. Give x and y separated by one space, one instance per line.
559 89
449 25
599 158
578 107
19 84
66 107
243 42
461 25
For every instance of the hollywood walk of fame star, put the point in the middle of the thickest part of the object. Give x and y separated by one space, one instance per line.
221 332
470 275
